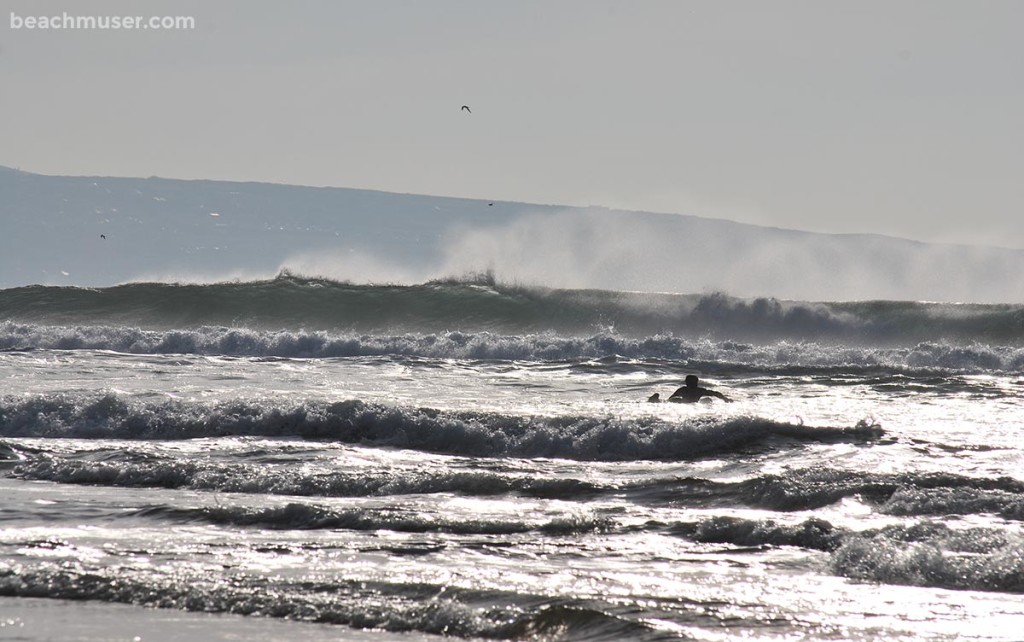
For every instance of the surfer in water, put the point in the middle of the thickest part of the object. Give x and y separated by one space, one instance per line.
690 393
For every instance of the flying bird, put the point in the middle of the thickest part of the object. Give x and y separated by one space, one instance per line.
103 236
466 107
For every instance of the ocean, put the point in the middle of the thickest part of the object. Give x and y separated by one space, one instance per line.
473 459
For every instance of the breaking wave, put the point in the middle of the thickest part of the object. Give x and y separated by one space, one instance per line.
478 434
685 352
935 555
266 479
437 609
483 305
906 494
310 516
924 554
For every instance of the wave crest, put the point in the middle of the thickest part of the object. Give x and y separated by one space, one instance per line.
481 303
457 433
686 352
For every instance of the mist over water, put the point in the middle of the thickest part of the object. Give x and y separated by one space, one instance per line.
207 231
603 249
606 250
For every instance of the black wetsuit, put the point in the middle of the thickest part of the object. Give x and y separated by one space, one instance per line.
691 394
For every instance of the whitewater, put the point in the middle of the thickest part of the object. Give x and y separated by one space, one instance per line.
300 457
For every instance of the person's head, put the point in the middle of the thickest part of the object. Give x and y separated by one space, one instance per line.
691 381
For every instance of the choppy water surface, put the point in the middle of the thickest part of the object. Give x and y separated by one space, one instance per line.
483 483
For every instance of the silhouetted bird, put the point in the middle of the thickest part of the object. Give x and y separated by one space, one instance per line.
103 236
466 107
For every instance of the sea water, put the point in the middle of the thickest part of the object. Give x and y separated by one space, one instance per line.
473 460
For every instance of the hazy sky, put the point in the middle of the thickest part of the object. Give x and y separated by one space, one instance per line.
896 117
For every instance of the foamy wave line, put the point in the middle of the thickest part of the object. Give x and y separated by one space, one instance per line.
905 494
924 554
463 433
442 610
298 516
482 304
245 342
799 490
932 554
286 480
